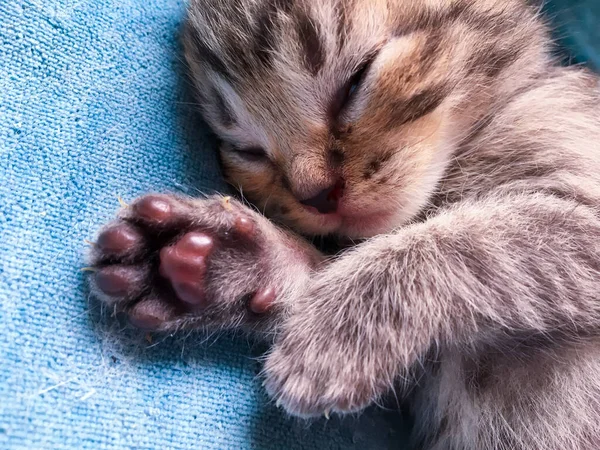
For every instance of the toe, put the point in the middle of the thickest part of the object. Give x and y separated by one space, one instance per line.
119 281
119 240
191 293
155 209
183 262
151 314
244 226
195 244
262 301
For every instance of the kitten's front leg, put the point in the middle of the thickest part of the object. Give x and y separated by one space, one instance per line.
172 262
467 275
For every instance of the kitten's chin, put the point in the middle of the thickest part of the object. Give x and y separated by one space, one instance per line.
355 226
372 224
359 219
365 227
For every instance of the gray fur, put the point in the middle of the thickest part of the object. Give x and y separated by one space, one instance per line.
479 294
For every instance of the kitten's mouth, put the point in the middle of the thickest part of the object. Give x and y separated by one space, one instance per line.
355 224
331 212
326 201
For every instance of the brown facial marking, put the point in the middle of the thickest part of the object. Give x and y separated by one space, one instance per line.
460 11
264 36
337 157
308 34
207 55
343 24
484 22
426 19
494 62
383 180
373 167
478 376
430 52
286 183
376 163
421 104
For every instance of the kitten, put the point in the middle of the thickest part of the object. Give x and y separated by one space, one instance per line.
444 139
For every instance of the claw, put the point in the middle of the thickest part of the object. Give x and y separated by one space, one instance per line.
326 414
88 269
93 244
226 202
122 202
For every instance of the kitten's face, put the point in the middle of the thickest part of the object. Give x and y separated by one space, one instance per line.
341 116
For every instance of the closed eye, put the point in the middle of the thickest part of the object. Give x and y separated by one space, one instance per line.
254 154
344 94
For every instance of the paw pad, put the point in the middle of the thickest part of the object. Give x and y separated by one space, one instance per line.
169 259
262 301
184 264
151 314
154 208
119 239
118 281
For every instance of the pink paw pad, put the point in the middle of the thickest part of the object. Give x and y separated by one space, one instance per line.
262 301
116 281
150 314
154 208
118 240
244 226
184 264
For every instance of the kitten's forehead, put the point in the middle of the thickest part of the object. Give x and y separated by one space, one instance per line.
283 59
246 39
251 39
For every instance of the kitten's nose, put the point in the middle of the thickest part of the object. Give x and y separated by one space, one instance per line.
327 200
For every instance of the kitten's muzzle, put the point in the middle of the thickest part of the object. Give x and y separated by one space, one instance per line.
326 201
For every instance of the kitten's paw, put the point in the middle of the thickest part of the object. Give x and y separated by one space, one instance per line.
311 377
173 262
343 344
316 384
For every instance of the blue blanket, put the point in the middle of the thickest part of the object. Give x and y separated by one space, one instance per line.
93 104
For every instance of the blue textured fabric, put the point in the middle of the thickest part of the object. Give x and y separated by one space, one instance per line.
577 28
93 104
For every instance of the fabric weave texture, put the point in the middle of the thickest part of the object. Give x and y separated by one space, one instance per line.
94 104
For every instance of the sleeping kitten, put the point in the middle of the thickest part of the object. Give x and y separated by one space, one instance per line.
443 139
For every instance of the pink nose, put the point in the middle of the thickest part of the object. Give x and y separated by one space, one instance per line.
327 200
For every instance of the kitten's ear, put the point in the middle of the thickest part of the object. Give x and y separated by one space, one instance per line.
224 114
229 116
220 104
